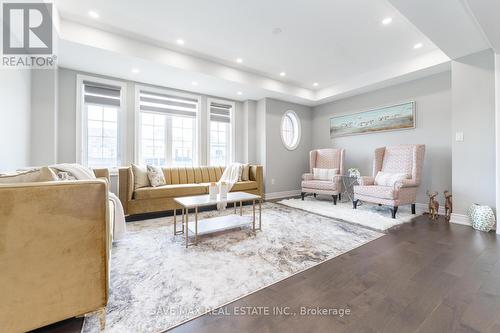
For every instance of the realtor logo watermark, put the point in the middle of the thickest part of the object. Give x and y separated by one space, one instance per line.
27 35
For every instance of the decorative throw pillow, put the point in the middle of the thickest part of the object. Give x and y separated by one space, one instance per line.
245 174
43 174
155 176
389 179
64 175
140 176
324 174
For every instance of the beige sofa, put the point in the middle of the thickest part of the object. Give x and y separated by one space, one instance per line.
184 181
54 251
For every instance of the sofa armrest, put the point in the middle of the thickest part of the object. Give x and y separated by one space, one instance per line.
307 176
53 251
125 186
257 174
366 180
102 173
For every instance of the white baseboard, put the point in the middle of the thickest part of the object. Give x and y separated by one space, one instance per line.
281 195
460 219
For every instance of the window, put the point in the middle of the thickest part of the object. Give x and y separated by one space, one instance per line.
290 130
167 128
220 132
100 113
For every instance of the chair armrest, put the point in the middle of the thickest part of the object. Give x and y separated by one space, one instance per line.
307 176
405 183
366 180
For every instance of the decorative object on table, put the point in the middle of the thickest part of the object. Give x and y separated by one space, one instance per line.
433 205
482 217
212 191
395 117
223 189
448 205
405 159
353 172
331 160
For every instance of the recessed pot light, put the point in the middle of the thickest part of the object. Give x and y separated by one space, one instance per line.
194 83
315 84
180 41
239 60
93 14
282 74
417 46
239 93
135 70
387 20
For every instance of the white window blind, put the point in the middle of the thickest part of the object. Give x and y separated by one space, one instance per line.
102 94
220 112
168 104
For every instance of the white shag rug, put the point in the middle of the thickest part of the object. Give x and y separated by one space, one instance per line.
368 215
156 283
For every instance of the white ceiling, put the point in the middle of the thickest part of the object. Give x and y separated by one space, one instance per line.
321 41
341 44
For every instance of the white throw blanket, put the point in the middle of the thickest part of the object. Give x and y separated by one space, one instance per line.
230 176
82 173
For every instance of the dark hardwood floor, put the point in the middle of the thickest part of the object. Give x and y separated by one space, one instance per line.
421 277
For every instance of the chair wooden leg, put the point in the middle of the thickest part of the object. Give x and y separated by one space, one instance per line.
355 204
302 195
413 210
334 199
340 197
394 211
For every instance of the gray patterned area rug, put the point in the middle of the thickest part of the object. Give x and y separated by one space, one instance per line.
156 283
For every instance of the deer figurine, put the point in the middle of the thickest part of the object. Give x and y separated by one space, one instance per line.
433 205
448 205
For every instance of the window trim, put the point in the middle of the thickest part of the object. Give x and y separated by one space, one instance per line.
292 147
137 118
81 125
232 127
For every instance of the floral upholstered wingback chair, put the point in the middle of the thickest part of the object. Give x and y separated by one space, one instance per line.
397 172
325 166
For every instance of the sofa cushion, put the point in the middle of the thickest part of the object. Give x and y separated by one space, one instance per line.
140 176
383 192
155 176
325 185
169 191
245 173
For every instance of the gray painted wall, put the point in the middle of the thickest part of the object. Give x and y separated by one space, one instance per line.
43 117
15 92
473 96
285 166
67 119
433 100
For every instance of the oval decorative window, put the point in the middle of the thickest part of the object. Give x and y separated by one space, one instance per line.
290 130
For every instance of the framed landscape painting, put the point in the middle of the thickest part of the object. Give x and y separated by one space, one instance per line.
389 118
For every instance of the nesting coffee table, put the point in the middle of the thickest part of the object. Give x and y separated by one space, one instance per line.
219 223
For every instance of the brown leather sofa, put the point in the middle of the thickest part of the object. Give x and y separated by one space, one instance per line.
54 252
184 181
